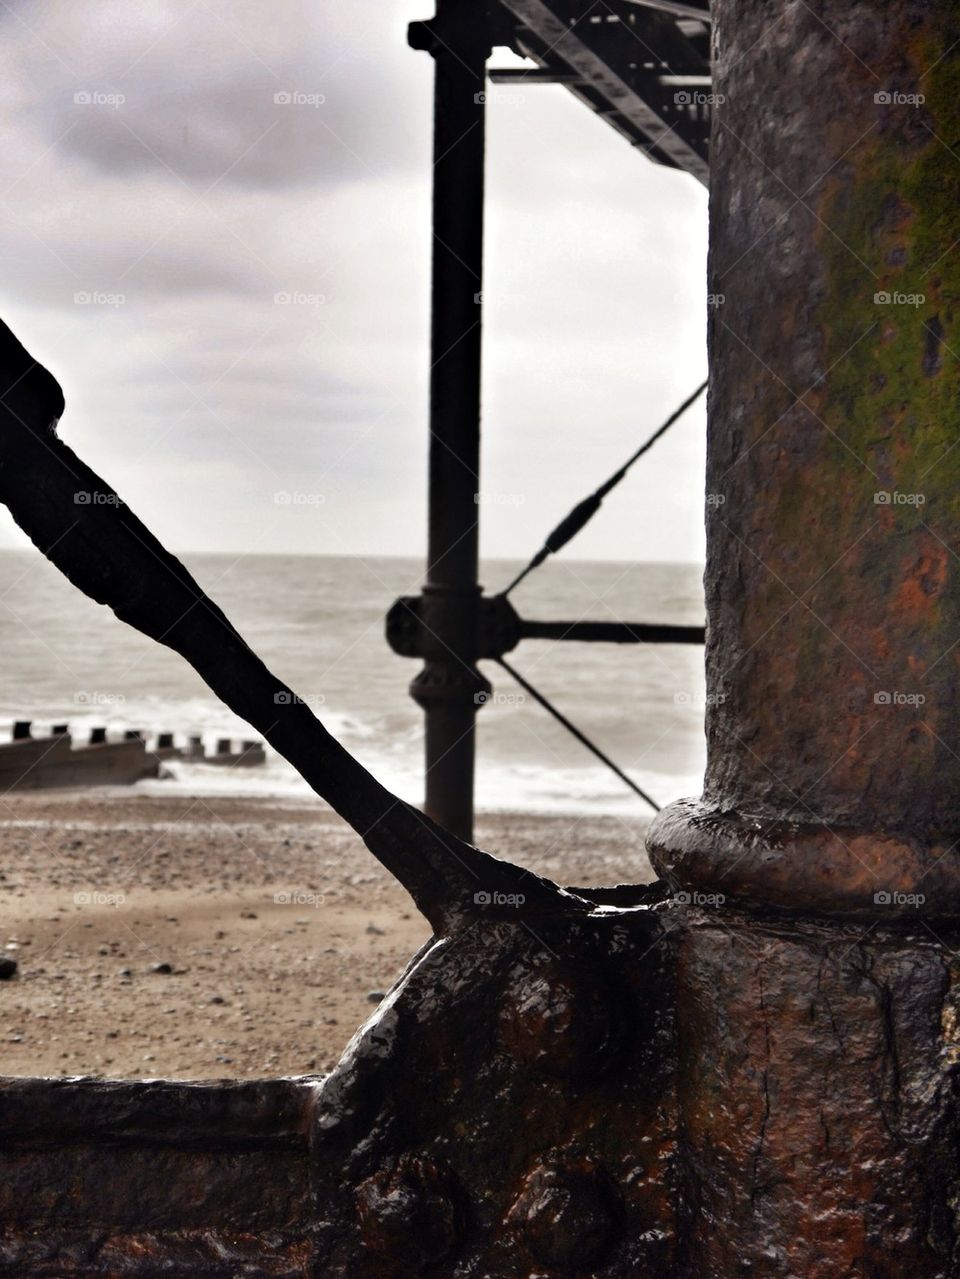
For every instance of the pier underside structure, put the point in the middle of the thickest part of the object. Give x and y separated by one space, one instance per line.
644 68
748 1068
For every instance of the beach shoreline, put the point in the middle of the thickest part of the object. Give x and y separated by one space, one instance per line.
204 937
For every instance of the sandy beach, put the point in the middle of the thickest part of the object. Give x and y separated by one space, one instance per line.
198 938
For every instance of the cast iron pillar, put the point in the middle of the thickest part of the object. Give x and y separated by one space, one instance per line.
817 992
449 687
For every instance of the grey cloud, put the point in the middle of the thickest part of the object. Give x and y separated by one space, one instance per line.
196 101
235 133
587 247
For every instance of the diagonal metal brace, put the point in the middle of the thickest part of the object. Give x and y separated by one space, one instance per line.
83 527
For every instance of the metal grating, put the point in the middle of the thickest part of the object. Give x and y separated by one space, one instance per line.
644 67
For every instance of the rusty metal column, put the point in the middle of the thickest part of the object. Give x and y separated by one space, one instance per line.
833 579
818 982
449 687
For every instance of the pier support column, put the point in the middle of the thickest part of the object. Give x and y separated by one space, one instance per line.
450 688
817 994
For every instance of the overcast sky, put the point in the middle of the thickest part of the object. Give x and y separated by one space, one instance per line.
150 170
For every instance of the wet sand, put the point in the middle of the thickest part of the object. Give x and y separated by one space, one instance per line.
201 938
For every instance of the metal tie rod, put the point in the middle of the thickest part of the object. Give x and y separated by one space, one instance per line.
581 514
580 736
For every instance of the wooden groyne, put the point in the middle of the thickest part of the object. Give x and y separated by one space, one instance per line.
56 760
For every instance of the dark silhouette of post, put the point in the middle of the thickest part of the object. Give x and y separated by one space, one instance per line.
449 687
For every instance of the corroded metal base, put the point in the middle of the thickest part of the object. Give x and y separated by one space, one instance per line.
511 1108
653 1089
806 867
818 1102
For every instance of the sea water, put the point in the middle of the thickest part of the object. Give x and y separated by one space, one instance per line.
317 621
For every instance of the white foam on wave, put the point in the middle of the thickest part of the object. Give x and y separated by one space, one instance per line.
500 788
318 623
